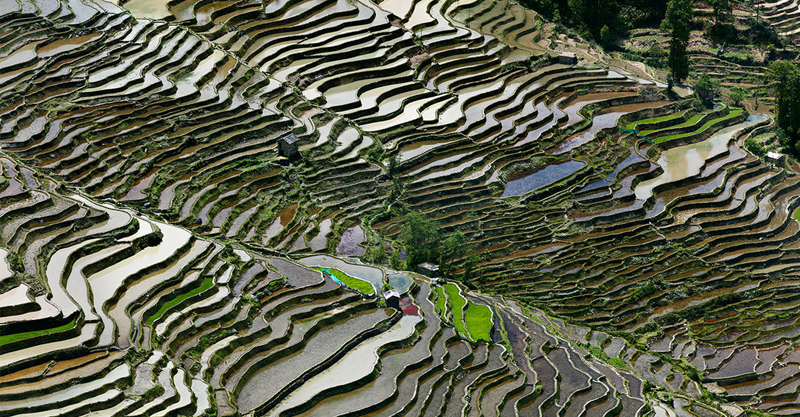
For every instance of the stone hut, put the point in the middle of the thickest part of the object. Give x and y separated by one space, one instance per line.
392 299
429 269
287 146
568 58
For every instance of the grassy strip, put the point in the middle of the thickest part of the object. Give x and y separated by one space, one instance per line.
354 283
694 119
11 338
458 303
441 302
734 113
618 363
207 283
654 120
478 319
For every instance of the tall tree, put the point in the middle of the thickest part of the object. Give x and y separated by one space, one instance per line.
453 247
785 79
677 20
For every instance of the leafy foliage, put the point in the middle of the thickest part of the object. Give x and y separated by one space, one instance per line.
706 88
754 147
723 10
737 95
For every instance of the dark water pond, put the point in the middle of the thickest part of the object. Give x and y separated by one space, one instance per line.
542 177
350 243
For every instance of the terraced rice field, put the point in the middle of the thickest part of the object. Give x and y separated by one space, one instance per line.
160 258
784 15
728 58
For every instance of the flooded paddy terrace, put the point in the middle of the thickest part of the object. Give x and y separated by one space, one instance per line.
146 218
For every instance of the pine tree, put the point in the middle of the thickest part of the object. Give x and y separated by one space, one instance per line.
677 20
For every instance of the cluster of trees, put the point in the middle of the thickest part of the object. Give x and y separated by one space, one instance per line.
723 10
602 20
706 89
785 78
426 241
607 20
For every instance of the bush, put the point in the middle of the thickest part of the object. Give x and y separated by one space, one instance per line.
737 95
656 57
754 147
15 262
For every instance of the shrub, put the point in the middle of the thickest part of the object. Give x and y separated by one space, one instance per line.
754 147
737 95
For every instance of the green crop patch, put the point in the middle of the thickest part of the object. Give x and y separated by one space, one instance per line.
732 114
457 302
352 282
654 120
11 338
441 301
478 319
473 322
691 122
207 283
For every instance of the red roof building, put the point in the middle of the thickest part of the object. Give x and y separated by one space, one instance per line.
407 307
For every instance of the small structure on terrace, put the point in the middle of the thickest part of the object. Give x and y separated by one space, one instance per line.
775 158
407 307
287 146
568 58
392 299
429 269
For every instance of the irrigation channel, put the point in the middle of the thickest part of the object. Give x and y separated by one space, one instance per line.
161 256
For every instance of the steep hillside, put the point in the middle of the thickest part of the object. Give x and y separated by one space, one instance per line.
624 255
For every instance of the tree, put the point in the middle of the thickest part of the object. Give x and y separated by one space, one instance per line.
425 241
706 88
453 247
754 147
737 95
376 254
469 268
394 259
606 37
421 239
677 20
723 9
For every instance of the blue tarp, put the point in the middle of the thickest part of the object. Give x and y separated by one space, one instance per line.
333 277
